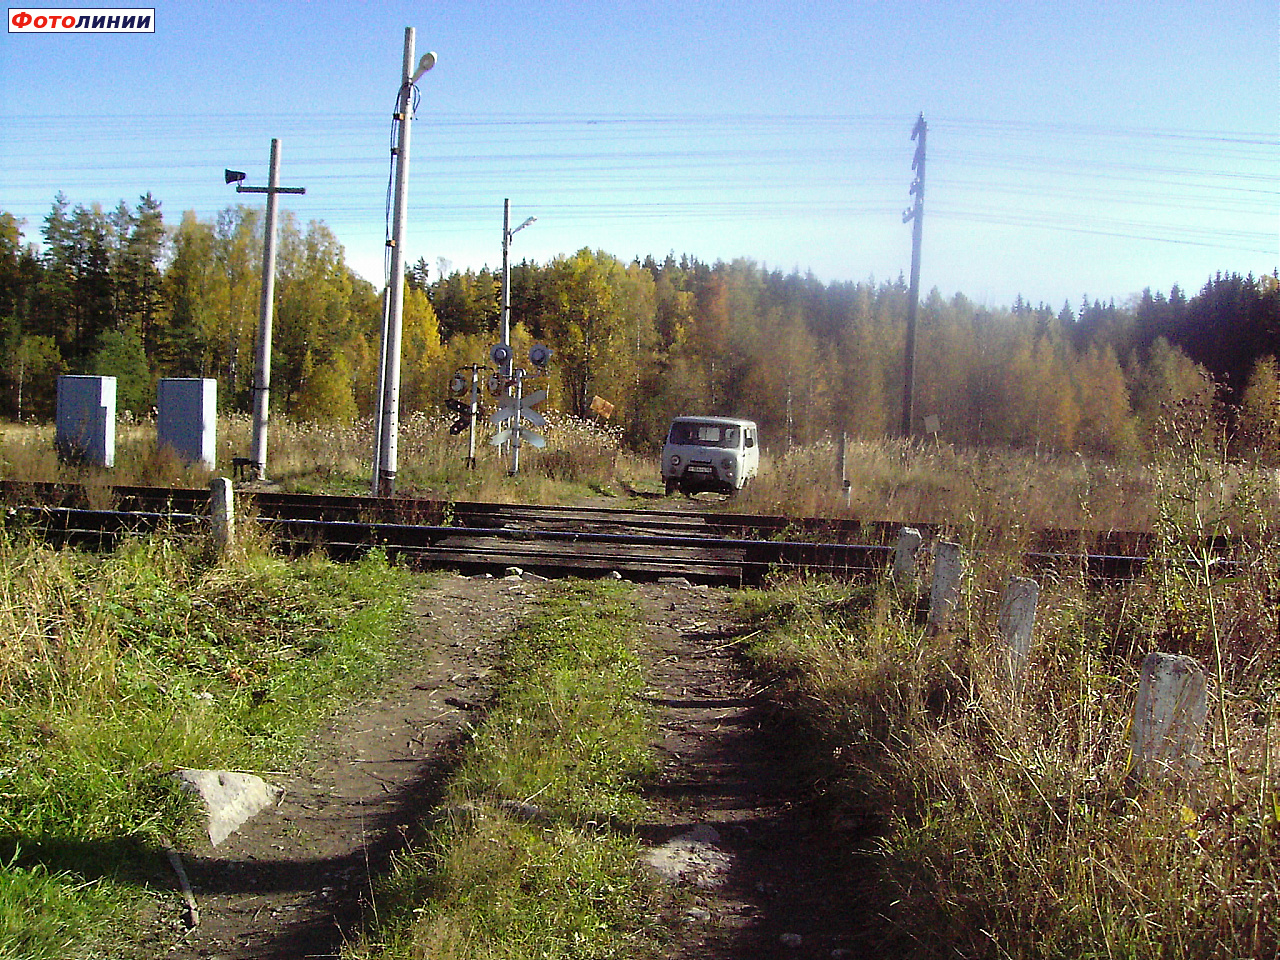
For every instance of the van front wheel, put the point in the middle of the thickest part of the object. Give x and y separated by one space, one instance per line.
671 487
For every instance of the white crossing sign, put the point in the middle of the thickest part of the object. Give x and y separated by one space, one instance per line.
526 436
514 410
503 414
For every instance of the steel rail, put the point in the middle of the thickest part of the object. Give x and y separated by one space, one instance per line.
704 559
553 552
479 514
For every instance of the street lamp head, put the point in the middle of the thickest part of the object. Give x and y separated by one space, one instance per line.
233 176
511 233
426 63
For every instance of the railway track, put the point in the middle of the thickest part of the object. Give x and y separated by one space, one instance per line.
707 547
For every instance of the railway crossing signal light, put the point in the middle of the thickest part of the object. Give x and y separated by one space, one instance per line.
463 409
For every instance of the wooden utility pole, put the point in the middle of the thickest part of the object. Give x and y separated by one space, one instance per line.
916 216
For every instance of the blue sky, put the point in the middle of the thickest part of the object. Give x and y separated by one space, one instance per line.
1074 148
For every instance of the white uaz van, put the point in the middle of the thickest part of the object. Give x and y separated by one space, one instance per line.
709 453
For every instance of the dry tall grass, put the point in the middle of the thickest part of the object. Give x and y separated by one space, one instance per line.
1013 829
933 483
888 480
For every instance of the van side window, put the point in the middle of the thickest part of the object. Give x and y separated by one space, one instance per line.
751 439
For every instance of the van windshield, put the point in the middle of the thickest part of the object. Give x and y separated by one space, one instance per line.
704 435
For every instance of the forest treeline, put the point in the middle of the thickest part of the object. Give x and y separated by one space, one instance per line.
122 293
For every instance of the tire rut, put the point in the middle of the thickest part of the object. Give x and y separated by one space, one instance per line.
782 884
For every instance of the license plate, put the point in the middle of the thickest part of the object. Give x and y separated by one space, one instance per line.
698 469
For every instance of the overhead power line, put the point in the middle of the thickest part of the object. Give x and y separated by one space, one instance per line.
1205 188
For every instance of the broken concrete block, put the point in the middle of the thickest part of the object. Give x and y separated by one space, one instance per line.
944 595
230 798
1169 716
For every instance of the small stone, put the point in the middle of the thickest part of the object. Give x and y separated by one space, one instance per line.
528 812
697 915
792 940
692 857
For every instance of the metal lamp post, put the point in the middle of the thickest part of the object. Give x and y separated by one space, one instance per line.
388 421
507 234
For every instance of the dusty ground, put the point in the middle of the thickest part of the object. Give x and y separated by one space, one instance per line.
731 823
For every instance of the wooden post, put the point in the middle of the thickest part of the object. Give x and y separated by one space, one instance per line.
944 595
222 508
1017 622
1168 717
904 555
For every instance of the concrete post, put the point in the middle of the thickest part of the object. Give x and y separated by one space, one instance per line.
904 555
1168 717
1017 622
846 486
262 359
506 289
262 356
944 595
222 508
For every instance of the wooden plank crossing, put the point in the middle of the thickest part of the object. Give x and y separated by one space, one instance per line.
554 540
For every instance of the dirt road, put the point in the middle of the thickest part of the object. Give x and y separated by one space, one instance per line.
732 821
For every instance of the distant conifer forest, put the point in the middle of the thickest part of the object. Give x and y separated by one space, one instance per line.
123 293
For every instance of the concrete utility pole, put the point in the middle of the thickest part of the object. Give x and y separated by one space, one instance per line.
388 425
262 367
916 216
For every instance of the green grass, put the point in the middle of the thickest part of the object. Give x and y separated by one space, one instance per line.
116 669
46 916
530 856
